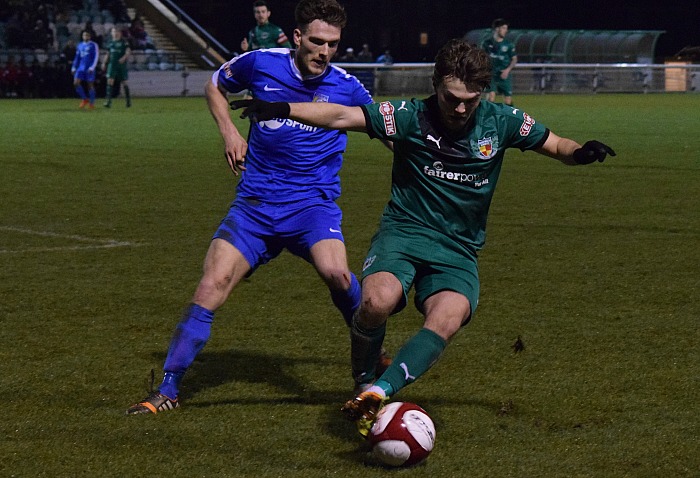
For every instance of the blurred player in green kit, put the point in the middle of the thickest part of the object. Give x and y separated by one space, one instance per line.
115 64
264 34
503 59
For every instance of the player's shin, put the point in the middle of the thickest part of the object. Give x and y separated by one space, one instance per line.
347 301
366 347
190 337
412 360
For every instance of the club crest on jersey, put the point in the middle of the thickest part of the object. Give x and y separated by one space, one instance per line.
486 149
319 98
368 262
387 111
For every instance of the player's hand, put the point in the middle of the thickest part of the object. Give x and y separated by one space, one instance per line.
235 148
259 110
592 151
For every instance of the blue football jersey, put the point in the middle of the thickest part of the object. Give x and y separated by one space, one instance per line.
86 56
286 160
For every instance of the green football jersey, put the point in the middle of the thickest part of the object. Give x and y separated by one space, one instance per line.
117 49
443 180
267 36
501 53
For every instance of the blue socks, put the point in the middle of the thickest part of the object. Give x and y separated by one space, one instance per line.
81 92
348 301
189 339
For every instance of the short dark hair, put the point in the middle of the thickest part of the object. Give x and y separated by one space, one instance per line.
499 22
465 62
329 11
260 3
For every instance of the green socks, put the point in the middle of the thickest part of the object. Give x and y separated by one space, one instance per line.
413 360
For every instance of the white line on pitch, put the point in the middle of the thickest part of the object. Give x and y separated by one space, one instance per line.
96 243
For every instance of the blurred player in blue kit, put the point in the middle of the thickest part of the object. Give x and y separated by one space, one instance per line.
87 55
286 196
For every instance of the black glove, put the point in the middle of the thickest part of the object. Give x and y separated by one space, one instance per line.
592 151
259 110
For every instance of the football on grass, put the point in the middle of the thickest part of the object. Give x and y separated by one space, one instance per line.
402 435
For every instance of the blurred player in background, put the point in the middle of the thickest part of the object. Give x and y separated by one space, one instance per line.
115 64
264 34
87 55
448 152
503 59
286 196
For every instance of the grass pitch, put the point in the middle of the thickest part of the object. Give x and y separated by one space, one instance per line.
105 219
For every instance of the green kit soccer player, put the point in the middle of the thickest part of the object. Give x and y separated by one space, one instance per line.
448 153
115 64
503 59
264 34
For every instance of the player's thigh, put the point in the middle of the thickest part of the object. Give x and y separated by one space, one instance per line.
446 269
445 312
224 267
505 87
387 255
250 229
308 223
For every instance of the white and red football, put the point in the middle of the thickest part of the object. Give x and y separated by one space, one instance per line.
402 435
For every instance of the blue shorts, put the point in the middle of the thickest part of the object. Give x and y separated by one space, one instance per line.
262 230
85 75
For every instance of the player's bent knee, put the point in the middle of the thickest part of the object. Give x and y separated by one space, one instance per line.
336 279
213 291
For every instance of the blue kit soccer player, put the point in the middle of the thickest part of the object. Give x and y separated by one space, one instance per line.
86 57
286 196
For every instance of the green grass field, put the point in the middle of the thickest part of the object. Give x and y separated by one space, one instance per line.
105 219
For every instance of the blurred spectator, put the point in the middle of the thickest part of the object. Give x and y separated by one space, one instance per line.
24 76
365 55
40 36
139 37
348 56
14 32
93 34
118 10
385 57
61 31
9 78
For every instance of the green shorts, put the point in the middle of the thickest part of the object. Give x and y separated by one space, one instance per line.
500 86
425 259
118 71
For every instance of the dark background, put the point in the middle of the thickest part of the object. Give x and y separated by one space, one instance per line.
397 24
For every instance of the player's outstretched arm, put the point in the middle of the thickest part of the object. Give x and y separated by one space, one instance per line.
324 115
235 146
571 153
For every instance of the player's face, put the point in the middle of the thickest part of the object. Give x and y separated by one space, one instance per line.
262 15
116 34
86 36
315 47
502 31
457 104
